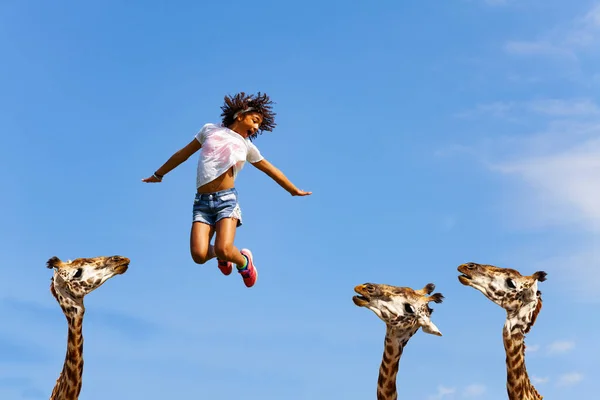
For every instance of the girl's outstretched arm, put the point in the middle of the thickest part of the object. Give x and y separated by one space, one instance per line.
174 161
279 177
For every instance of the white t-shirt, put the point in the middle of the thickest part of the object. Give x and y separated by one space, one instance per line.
222 149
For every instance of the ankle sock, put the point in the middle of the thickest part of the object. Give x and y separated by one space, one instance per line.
245 263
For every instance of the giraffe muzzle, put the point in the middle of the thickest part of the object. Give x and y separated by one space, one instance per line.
465 277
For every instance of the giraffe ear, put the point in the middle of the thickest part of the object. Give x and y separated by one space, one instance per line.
429 327
54 262
540 276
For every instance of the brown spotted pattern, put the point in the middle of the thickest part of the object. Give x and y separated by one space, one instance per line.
404 311
521 299
70 282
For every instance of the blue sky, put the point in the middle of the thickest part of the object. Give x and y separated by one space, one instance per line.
431 134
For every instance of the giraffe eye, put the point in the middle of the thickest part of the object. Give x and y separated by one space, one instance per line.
511 284
409 309
78 273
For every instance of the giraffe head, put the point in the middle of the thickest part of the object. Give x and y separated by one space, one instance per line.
517 294
72 280
401 308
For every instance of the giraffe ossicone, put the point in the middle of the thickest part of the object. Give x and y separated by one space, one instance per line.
70 282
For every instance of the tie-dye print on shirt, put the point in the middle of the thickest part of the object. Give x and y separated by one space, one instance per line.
222 149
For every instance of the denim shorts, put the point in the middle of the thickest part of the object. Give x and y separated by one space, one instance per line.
212 207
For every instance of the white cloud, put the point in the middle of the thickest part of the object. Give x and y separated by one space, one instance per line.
552 107
470 391
561 346
561 107
564 182
442 392
570 379
532 348
579 35
585 31
497 109
537 48
474 390
536 380
557 166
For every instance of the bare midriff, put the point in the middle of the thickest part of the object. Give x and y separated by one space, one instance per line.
223 182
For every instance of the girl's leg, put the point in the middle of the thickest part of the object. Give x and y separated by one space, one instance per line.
200 246
224 248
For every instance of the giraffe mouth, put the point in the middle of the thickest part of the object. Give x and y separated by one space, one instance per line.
360 300
465 279
121 269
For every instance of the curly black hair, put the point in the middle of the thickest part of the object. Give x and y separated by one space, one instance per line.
260 103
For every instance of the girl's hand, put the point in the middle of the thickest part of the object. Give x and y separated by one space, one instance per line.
151 179
299 192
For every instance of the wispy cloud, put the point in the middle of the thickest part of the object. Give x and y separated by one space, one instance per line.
561 347
554 348
532 348
536 380
581 34
562 107
552 107
564 181
497 109
558 164
470 391
537 48
474 390
442 392
569 379
586 30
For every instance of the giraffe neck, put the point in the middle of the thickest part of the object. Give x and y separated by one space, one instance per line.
518 385
68 384
394 345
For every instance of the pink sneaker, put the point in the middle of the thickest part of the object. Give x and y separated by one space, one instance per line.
249 273
225 266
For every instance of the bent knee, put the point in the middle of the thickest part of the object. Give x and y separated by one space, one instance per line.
224 252
199 258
